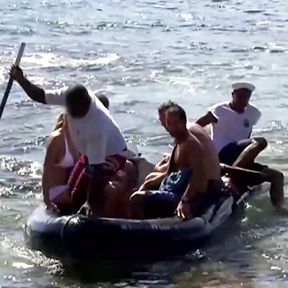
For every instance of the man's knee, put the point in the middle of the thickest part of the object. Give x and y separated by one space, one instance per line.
274 175
261 143
129 166
279 176
137 199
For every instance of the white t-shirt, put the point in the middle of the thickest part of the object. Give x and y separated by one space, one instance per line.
232 126
96 135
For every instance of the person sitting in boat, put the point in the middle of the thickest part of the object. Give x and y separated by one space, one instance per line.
61 155
162 165
93 131
192 181
232 124
58 165
135 165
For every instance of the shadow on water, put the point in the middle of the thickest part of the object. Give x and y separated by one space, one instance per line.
115 271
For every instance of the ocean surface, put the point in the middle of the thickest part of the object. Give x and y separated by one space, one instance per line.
141 53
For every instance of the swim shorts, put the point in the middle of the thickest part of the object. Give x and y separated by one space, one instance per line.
161 204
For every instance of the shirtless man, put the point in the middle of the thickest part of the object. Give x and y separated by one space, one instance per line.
162 165
93 131
191 183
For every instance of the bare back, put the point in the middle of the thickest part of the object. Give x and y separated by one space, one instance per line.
211 160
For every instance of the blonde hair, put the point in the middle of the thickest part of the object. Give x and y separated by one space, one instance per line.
60 122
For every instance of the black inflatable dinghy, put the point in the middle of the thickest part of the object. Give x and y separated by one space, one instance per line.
82 237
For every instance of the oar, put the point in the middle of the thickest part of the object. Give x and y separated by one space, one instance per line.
9 85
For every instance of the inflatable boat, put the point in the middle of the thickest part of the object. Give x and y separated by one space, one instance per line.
81 237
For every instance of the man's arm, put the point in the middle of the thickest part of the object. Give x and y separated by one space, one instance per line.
255 114
207 119
243 176
34 92
163 164
155 181
197 179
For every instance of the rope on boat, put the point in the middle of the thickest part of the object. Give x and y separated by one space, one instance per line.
65 225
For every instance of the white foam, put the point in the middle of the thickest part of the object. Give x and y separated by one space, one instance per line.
3 73
48 60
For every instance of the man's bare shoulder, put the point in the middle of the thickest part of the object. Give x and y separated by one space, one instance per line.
196 128
192 145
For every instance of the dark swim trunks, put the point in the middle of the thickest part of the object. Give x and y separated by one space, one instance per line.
229 154
215 191
161 204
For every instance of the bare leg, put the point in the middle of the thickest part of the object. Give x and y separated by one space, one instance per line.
248 156
130 175
117 193
100 176
276 178
116 203
242 177
144 168
137 205
63 202
249 177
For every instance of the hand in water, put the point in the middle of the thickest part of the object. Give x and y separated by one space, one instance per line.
16 73
183 210
86 210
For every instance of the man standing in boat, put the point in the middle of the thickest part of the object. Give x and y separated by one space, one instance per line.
192 182
232 124
93 130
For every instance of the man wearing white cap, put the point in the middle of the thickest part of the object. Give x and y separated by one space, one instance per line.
232 124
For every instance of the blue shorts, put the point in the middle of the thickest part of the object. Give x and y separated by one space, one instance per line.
161 204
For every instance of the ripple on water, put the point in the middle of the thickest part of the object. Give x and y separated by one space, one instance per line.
144 53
